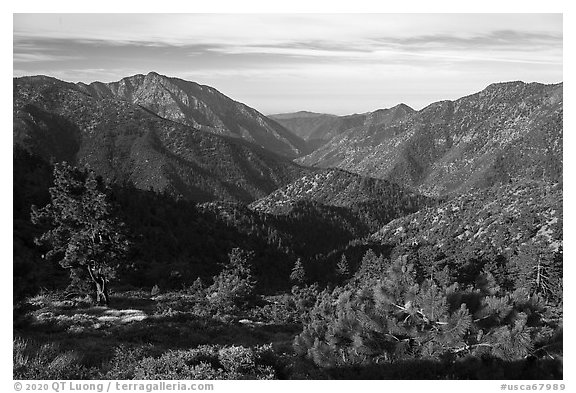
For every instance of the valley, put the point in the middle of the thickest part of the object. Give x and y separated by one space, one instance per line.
392 244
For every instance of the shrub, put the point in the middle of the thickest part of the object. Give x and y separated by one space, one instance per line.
288 308
123 364
179 302
207 362
191 301
32 360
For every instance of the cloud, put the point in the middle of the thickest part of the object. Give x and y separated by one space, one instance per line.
273 29
314 61
500 39
40 57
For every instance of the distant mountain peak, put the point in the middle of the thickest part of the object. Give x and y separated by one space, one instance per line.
299 115
308 113
403 106
397 109
499 85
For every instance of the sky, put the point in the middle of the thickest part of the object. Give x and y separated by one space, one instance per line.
278 63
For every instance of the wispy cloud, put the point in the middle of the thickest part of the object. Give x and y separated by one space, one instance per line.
40 57
500 39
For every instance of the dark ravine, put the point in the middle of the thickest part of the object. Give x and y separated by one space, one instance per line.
506 132
124 142
201 107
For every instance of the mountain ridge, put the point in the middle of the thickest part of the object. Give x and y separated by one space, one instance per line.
298 114
125 142
201 107
319 129
453 146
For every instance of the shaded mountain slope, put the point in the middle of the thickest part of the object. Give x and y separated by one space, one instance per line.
507 131
201 107
124 142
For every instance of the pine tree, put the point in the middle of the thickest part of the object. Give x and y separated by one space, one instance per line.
234 287
342 268
398 318
84 233
371 267
298 274
538 269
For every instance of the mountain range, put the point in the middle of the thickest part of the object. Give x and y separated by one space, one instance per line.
193 142
126 142
457 189
505 132
357 244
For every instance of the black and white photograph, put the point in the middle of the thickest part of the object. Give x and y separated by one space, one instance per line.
287 196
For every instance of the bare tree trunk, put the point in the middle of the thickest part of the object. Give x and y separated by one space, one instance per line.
538 276
102 297
101 284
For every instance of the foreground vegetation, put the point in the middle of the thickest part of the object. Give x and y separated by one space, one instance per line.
377 323
469 289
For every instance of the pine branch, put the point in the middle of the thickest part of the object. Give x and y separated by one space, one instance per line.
467 347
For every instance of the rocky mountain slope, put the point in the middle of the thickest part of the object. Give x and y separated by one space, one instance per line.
374 201
201 107
125 142
505 132
317 128
492 226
